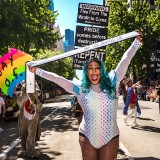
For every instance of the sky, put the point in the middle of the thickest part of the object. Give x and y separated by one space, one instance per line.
68 10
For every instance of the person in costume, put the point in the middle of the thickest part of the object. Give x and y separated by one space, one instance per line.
29 122
98 97
132 102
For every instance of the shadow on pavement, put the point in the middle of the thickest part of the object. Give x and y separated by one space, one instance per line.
43 157
145 119
147 128
60 121
146 158
10 132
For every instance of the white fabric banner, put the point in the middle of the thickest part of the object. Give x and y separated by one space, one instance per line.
30 83
86 48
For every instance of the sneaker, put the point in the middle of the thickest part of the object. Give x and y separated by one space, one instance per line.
135 124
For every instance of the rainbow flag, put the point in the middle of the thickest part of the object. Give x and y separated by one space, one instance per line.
12 70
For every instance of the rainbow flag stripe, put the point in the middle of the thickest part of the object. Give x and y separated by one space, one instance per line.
12 70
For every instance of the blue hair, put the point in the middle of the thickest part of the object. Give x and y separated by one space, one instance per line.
106 84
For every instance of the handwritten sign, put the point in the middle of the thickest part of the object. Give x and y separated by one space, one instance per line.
93 14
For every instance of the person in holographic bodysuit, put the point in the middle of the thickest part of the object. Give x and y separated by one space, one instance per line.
97 95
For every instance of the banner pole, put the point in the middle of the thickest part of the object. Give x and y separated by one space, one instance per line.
84 49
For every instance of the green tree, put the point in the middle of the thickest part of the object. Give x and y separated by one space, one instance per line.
61 67
122 20
22 25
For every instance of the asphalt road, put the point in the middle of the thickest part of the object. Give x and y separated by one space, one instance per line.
59 139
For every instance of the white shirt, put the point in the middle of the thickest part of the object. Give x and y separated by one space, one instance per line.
1 103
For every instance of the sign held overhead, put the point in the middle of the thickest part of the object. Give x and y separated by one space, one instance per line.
79 59
86 35
93 14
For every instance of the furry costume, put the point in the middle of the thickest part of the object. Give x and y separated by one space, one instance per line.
29 123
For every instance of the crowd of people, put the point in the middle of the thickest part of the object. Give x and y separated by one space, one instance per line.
8 107
147 90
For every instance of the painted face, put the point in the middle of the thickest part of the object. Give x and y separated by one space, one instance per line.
94 74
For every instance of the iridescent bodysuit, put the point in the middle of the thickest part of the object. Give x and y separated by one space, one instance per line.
99 119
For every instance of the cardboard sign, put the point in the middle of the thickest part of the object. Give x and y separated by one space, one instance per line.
86 35
93 14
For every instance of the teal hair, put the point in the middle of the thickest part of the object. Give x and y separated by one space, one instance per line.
106 84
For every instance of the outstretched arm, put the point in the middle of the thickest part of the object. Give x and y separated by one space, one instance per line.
127 57
61 81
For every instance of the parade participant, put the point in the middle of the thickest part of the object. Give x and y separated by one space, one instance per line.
28 122
97 95
123 88
132 102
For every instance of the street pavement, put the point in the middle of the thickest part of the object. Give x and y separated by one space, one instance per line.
59 139
143 141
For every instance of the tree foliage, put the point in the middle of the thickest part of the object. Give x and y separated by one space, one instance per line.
61 67
122 20
22 25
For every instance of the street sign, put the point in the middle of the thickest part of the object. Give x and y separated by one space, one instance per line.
93 14
79 59
86 35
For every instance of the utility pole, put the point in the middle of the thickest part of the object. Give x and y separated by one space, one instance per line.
104 2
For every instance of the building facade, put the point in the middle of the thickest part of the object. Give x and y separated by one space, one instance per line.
59 44
69 40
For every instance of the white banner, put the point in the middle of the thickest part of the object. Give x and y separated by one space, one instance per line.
86 48
30 83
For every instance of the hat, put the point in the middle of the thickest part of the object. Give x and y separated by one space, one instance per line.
128 80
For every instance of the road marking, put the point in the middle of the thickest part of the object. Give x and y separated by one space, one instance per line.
125 151
17 141
10 147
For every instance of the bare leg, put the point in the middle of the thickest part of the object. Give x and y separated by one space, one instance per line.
110 150
88 151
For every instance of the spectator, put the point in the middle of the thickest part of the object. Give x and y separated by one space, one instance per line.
152 93
123 88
